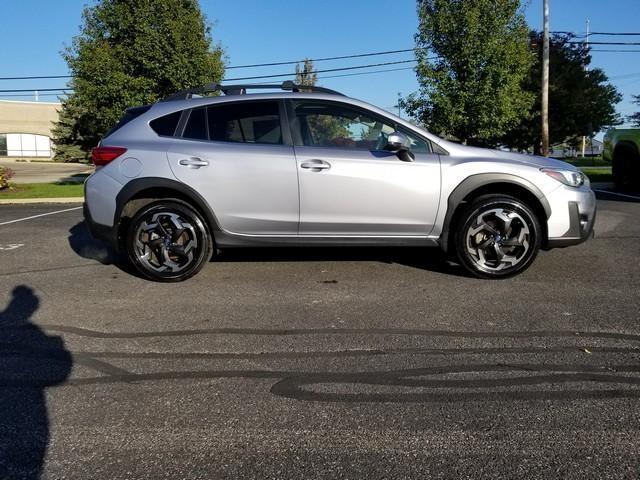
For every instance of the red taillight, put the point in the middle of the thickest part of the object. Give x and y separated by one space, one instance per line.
102 155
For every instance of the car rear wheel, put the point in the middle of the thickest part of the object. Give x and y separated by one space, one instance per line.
497 236
168 241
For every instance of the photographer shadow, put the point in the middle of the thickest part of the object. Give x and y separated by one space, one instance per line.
30 361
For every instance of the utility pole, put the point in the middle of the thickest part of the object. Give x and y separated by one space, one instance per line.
399 104
584 138
545 80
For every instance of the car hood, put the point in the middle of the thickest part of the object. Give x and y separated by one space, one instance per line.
510 157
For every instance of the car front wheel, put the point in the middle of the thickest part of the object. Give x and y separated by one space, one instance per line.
168 241
497 236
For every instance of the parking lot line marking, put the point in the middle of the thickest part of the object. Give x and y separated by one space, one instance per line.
40 215
618 194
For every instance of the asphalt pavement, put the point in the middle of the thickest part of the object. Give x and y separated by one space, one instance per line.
317 363
47 172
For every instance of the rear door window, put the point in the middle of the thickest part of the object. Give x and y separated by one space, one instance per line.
245 122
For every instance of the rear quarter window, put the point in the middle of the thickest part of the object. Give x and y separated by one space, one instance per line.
166 125
129 114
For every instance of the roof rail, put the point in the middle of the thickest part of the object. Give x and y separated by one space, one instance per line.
242 89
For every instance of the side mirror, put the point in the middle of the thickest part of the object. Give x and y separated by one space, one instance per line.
399 143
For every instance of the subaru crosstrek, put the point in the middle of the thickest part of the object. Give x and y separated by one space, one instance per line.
307 166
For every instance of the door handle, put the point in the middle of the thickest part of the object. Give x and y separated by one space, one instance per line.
316 165
193 162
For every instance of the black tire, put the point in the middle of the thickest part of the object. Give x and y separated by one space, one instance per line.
625 168
494 225
168 241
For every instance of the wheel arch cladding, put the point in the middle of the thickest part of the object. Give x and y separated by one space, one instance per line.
496 183
139 192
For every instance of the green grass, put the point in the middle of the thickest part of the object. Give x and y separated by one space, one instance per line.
587 162
601 174
42 190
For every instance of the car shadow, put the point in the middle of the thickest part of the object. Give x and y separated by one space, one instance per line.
30 361
83 244
431 259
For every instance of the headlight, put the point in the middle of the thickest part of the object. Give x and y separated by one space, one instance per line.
568 177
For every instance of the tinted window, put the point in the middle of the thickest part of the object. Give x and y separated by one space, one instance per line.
196 127
245 122
166 125
334 125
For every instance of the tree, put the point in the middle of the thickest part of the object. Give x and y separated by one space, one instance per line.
635 117
131 53
472 59
581 102
306 75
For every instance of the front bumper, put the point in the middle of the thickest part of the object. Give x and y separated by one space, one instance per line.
580 208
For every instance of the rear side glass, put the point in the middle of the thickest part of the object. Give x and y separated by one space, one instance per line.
196 127
245 122
166 125
129 114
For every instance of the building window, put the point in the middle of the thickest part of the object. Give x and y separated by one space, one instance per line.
24 145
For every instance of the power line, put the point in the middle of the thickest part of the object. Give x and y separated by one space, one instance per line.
321 71
605 43
293 62
584 34
359 55
615 51
36 89
388 70
39 77
341 69
352 74
254 65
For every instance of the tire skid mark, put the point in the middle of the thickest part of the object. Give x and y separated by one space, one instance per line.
84 332
331 353
496 381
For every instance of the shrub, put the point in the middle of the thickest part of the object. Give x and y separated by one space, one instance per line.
5 176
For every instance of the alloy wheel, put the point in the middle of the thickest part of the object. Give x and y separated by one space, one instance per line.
166 242
498 239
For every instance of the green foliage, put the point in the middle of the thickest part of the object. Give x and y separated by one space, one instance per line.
5 175
472 59
68 140
306 75
635 117
581 102
128 53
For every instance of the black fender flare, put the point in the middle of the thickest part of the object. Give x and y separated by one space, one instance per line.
477 181
138 185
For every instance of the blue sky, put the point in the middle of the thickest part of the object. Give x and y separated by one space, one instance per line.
257 31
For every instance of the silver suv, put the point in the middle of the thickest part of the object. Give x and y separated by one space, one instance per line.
308 166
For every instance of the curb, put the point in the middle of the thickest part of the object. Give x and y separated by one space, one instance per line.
14 201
